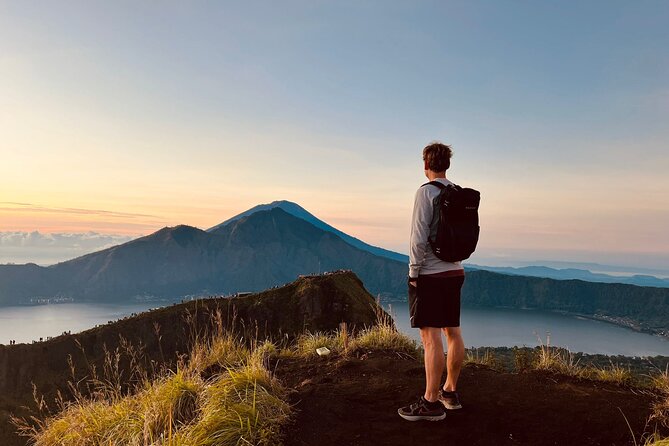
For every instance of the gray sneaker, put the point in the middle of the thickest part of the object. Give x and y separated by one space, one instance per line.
450 400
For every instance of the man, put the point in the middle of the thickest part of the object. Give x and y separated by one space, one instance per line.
434 298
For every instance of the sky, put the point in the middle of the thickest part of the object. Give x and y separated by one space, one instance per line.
120 118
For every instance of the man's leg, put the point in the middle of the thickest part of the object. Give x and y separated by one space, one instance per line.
434 361
455 357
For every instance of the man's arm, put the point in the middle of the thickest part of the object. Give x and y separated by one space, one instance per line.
420 231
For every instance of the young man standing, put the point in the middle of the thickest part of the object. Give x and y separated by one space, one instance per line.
434 298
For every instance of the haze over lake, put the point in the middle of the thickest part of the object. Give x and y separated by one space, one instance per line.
481 327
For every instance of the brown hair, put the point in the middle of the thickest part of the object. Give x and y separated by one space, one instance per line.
437 156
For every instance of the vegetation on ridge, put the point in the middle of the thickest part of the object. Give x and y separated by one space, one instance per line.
223 394
225 391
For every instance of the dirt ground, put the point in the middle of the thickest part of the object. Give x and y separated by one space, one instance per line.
354 402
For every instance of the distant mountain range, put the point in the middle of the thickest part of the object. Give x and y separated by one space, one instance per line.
273 244
575 273
250 253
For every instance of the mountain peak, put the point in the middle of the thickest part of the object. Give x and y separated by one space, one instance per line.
288 206
298 211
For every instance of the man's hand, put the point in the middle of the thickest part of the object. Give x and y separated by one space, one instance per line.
413 281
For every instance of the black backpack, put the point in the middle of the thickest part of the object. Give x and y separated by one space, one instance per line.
454 230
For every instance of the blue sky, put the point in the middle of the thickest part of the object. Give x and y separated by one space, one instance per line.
173 113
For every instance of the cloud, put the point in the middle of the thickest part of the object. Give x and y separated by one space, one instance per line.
48 248
37 208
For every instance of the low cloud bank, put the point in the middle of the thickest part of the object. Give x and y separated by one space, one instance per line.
49 248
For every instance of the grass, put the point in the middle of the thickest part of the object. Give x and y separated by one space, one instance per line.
564 362
382 336
661 405
222 394
557 360
242 403
483 356
523 359
307 343
656 440
245 405
614 373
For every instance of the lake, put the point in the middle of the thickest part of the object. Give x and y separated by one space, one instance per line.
480 327
497 327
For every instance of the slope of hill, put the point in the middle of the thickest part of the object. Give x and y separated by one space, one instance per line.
310 303
298 211
342 398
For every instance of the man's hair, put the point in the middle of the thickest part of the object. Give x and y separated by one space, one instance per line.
438 156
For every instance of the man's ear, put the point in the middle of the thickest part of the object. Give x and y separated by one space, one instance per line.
426 166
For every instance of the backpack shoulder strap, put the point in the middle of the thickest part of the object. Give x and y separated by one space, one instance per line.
439 184
442 186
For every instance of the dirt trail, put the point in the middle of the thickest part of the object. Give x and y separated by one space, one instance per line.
354 402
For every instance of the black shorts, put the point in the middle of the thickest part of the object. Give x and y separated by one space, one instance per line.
435 301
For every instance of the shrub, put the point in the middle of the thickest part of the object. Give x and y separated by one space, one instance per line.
486 358
523 359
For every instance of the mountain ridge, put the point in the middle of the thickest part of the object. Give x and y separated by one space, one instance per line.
574 273
252 253
298 211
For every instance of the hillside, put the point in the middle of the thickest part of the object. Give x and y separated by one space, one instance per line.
349 397
641 308
316 303
575 273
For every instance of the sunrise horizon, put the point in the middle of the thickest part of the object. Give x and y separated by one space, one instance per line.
563 133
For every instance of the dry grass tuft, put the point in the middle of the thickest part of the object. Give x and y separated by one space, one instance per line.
483 356
661 406
382 336
240 404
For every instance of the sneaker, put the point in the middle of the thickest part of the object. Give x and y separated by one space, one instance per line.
450 400
422 410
